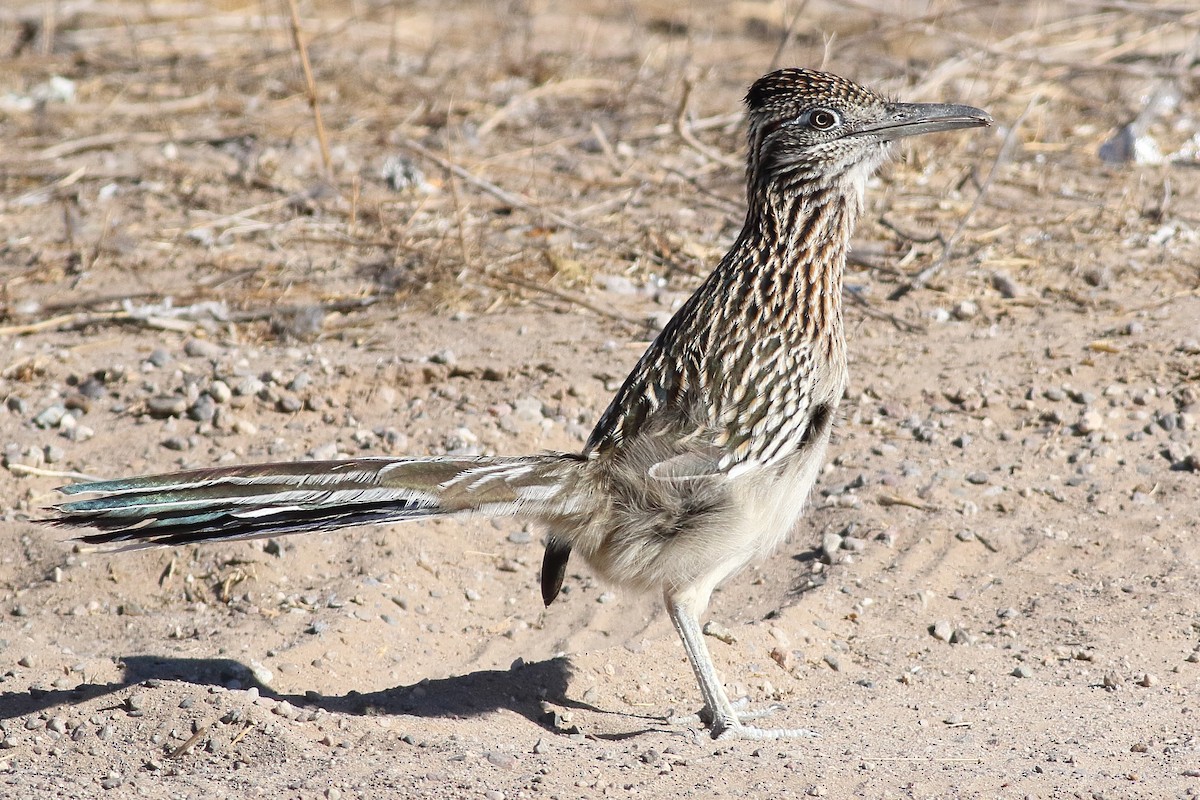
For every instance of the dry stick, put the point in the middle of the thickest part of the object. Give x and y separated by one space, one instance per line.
879 313
787 36
310 87
24 469
685 132
923 277
186 746
566 296
503 195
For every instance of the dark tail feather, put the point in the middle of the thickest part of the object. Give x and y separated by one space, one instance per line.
272 499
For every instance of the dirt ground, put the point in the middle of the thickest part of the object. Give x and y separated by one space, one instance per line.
996 593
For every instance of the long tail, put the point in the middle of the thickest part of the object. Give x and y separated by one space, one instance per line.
270 499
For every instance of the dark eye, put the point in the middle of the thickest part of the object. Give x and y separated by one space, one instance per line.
823 119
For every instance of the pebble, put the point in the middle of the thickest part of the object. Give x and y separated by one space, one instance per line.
159 357
719 632
1022 671
520 537
300 382
830 544
289 403
966 309
1006 286
51 416
1089 422
219 391
204 409
528 409
201 348
325 452
942 630
502 760
163 406
446 357
854 544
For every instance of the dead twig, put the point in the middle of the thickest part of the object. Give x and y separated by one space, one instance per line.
502 195
683 128
878 313
24 469
573 299
310 87
190 743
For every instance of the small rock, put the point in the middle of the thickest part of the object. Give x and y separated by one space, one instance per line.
159 357
830 544
854 544
289 403
51 416
1022 671
942 630
966 309
502 760
325 452
219 391
1006 286
164 406
446 357
204 409
201 348
719 632
1089 422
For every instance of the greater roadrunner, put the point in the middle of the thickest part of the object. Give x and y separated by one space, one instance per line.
703 460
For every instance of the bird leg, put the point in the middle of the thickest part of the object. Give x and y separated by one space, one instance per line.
718 713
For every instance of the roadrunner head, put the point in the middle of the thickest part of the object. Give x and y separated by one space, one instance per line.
817 129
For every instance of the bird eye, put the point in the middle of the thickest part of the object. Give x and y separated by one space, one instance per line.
823 119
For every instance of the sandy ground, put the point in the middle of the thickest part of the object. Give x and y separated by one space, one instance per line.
995 592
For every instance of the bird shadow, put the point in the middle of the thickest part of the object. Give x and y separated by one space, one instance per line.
525 689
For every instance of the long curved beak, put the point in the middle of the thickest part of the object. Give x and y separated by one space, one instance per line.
910 119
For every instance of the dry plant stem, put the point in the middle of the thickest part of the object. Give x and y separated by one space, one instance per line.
69 475
310 87
788 33
685 132
924 276
487 186
878 313
573 299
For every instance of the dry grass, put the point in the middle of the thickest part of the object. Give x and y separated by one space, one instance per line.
470 151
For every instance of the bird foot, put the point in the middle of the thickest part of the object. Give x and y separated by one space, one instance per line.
754 734
735 727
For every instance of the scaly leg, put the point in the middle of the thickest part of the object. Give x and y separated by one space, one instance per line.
723 720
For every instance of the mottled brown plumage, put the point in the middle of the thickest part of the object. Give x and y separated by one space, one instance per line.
704 458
